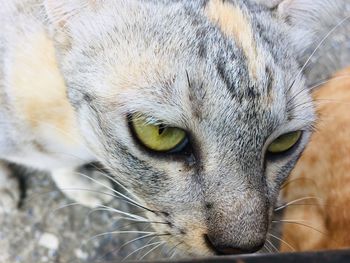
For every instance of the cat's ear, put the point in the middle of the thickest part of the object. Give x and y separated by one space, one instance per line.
65 15
310 20
60 11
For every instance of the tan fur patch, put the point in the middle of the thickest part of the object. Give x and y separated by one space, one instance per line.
235 24
132 75
38 88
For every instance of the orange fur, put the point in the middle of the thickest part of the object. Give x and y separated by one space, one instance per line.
40 95
235 24
323 172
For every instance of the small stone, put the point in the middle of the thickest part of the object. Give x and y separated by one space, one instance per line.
49 241
80 254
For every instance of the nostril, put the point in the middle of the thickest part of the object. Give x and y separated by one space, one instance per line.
257 248
209 243
227 250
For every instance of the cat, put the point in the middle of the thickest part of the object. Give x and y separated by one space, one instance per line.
192 106
319 183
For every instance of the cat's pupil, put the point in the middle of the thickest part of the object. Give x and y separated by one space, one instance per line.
161 129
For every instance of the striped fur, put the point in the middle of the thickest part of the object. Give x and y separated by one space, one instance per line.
225 71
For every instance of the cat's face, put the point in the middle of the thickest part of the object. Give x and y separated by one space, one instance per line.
225 77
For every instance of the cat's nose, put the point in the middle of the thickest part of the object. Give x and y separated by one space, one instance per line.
222 249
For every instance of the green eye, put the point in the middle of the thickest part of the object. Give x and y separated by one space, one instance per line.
157 137
284 142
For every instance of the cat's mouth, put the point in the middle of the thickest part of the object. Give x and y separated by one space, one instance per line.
228 250
192 235
196 242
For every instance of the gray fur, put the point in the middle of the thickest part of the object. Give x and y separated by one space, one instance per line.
225 187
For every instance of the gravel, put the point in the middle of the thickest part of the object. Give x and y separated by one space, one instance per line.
48 227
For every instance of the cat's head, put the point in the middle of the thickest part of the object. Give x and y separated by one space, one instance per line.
197 107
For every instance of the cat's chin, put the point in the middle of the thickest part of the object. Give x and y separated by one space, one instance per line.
187 249
183 251
197 253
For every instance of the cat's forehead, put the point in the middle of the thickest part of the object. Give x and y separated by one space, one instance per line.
235 23
234 39
178 27
212 58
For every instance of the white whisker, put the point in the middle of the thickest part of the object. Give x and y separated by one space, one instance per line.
152 249
132 216
272 245
297 179
296 201
143 247
115 191
63 206
129 242
327 81
300 222
36 194
311 56
137 239
117 232
173 250
268 248
320 44
281 240
119 217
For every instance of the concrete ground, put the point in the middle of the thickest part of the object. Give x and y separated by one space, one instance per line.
46 228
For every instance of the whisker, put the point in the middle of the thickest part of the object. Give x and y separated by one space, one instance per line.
143 247
318 102
37 194
120 184
292 221
266 246
310 57
52 213
148 242
321 43
272 245
63 132
299 222
296 201
283 241
173 250
133 202
130 242
152 249
103 172
116 218
119 217
132 216
116 232
145 222
263 250
138 223
143 237
313 205
135 220
324 101
327 81
296 179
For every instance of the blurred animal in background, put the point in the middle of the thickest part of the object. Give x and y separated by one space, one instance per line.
318 214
